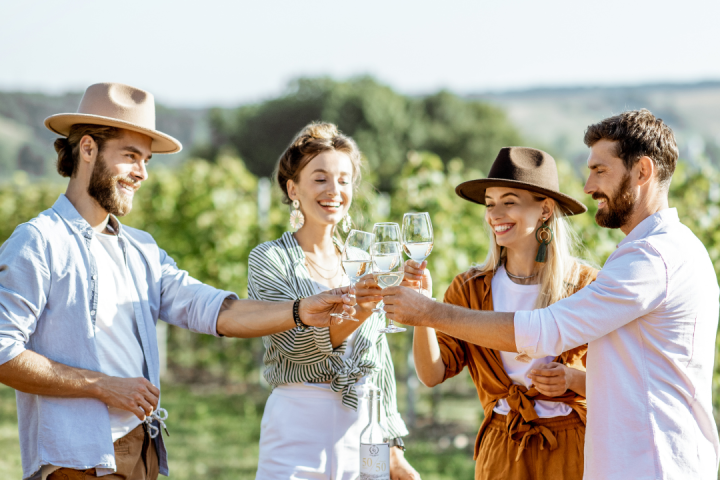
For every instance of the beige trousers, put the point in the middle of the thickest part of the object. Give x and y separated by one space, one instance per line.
135 457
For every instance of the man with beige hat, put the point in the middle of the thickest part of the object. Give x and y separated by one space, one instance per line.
80 295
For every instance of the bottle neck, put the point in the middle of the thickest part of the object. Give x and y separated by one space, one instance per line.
375 404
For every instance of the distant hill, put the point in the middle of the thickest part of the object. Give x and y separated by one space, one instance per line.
26 144
549 118
556 118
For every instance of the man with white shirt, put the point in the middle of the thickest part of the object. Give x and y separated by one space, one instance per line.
80 295
650 318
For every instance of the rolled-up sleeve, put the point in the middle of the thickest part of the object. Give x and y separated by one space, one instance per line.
452 350
632 283
24 287
186 302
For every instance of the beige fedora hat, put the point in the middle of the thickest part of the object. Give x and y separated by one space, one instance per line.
116 105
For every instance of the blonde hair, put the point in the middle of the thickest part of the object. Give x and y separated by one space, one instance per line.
560 275
312 140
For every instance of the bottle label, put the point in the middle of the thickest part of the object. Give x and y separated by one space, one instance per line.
374 461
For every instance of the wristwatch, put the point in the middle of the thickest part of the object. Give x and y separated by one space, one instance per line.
397 442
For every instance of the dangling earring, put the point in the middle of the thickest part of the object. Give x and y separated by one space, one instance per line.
297 219
544 235
346 223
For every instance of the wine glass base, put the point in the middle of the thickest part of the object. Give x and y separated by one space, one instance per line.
344 316
392 329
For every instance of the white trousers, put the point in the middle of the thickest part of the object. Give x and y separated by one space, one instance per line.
307 433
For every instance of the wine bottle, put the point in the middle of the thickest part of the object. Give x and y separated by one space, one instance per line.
374 448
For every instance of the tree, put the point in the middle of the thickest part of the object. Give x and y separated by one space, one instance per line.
385 124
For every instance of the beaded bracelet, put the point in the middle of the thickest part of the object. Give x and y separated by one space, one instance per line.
296 315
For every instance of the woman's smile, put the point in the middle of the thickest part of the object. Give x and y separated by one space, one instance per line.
503 228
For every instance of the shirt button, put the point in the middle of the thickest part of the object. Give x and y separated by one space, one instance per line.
94 277
92 314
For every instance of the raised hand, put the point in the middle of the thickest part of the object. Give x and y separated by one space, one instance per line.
407 306
367 295
136 395
315 311
417 274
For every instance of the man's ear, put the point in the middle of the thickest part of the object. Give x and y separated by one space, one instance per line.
88 149
644 170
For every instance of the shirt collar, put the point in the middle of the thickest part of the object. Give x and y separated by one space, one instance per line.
644 228
72 217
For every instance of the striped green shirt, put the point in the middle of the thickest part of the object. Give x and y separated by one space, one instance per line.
277 272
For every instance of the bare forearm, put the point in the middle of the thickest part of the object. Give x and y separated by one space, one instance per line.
338 333
488 329
577 381
426 355
254 318
32 373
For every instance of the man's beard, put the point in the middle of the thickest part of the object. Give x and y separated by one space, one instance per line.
618 210
104 189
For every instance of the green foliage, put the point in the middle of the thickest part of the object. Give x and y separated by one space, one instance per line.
385 124
205 216
21 201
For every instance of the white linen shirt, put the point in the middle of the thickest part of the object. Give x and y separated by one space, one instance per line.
650 321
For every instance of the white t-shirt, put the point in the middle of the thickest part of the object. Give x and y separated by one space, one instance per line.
509 296
116 333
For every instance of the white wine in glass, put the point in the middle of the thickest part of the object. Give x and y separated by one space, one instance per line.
388 272
356 260
417 236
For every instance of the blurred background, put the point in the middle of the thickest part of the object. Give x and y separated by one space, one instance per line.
430 91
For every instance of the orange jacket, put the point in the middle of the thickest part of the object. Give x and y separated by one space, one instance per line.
473 291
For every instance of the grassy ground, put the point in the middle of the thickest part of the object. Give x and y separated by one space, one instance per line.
214 434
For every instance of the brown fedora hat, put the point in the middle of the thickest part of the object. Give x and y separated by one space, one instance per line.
116 105
525 168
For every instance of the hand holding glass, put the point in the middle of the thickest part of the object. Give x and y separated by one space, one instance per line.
417 236
356 260
388 272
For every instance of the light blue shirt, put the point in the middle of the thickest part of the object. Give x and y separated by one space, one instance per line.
48 304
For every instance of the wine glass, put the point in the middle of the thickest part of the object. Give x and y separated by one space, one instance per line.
386 232
388 271
356 260
417 236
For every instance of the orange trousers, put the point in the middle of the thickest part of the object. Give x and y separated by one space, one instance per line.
501 458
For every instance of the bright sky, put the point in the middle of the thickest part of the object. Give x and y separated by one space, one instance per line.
192 53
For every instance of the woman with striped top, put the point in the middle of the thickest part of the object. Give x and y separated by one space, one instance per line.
316 411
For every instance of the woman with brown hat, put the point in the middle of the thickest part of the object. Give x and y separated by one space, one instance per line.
535 410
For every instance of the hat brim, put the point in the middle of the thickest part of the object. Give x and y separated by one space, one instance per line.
61 123
474 191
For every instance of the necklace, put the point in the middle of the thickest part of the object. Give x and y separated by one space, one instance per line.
317 268
517 277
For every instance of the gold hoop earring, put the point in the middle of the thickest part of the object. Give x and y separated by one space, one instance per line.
297 219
